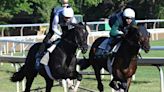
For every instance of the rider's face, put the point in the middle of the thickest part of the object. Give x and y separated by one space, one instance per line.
128 20
67 19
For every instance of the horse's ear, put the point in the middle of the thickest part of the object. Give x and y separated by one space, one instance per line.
80 23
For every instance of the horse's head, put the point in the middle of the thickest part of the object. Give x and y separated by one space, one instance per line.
144 37
141 36
81 35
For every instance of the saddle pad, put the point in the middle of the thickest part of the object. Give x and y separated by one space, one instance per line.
50 49
45 59
104 44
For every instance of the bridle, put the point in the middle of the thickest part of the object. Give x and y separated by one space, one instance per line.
77 41
138 39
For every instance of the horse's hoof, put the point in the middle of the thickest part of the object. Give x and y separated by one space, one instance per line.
122 85
114 85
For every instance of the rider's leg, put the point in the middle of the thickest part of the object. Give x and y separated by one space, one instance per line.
39 55
104 47
113 42
42 47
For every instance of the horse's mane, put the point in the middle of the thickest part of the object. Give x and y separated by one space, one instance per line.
129 47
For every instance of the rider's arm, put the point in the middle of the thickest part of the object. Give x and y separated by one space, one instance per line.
114 28
55 26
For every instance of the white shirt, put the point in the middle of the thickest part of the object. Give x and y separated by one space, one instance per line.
57 19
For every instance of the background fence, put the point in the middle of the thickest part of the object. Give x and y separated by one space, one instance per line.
9 46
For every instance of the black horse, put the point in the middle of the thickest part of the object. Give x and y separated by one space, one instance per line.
62 61
124 62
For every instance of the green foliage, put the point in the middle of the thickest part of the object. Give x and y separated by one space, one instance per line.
23 5
41 9
92 2
8 8
159 10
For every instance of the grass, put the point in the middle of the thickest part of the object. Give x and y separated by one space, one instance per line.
147 78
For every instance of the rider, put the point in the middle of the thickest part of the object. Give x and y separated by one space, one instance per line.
119 24
62 16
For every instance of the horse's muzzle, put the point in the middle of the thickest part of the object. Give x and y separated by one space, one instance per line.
84 49
146 48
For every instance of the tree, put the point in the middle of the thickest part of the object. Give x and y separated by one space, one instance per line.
42 9
9 8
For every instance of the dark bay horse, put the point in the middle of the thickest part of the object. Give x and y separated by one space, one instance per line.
62 61
125 59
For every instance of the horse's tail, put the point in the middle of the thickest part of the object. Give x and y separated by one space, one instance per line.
18 76
84 63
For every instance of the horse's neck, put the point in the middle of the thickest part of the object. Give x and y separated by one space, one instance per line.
68 45
128 49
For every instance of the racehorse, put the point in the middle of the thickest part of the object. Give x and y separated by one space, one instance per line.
123 62
62 61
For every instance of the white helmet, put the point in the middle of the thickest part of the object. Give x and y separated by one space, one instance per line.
128 12
68 12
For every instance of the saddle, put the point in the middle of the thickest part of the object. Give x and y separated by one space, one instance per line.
48 50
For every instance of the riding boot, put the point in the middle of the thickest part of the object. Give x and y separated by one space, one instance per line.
39 55
113 42
42 47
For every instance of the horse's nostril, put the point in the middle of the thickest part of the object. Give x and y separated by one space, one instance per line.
146 49
84 50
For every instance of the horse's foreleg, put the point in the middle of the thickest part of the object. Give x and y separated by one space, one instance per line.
70 83
49 84
114 84
98 77
73 87
128 83
77 86
124 85
79 78
64 84
29 81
